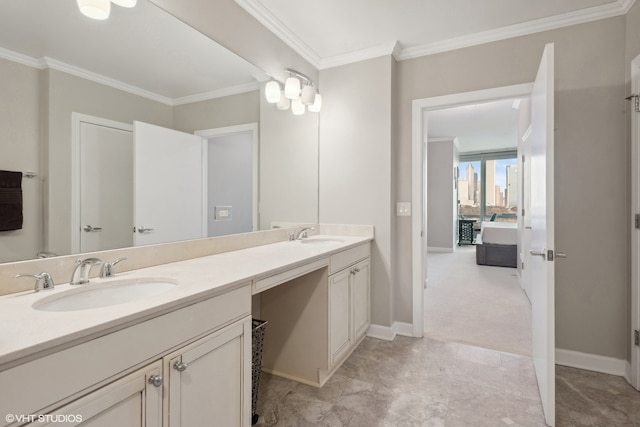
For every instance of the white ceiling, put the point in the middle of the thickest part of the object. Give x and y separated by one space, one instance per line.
489 126
333 32
144 49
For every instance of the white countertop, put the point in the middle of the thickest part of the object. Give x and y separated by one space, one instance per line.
26 332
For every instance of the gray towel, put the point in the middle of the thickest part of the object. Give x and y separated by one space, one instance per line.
10 200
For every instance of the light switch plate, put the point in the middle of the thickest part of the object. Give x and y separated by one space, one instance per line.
403 209
223 213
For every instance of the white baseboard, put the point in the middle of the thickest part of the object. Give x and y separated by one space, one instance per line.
594 362
437 249
388 333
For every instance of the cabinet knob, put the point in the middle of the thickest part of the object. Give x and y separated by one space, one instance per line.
179 366
156 380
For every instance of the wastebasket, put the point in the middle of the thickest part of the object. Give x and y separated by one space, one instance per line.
257 338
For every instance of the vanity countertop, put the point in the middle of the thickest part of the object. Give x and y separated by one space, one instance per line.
27 332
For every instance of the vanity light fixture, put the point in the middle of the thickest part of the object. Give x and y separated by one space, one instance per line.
272 92
299 92
100 9
297 107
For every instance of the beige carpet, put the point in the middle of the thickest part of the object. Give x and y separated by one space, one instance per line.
475 304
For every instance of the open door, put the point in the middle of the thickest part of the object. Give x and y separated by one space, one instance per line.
542 232
168 185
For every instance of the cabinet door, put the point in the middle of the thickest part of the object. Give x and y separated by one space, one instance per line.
133 401
360 286
340 337
209 381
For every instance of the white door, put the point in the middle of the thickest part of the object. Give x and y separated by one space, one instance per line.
168 185
106 192
635 234
526 218
542 232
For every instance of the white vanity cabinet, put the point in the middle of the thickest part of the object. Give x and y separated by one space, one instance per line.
349 309
132 401
209 381
187 367
317 319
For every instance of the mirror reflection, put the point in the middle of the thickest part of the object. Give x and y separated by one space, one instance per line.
120 119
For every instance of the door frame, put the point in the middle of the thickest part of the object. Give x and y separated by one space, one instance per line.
420 109
231 130
634 374
76 121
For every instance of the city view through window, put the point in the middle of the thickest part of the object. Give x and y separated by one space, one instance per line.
497 195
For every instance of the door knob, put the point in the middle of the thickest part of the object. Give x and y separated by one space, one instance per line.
90 228
143 229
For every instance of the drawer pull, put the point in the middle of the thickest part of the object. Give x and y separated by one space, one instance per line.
180 367
156 380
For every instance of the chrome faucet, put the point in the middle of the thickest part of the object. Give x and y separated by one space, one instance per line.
43 280
302 234
80 274
107 268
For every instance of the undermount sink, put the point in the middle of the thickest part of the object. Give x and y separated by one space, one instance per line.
114 292
320 241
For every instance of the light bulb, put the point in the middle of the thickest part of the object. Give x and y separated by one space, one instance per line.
317 104
308 94
272 92
284 102
292 88
95 9
297 107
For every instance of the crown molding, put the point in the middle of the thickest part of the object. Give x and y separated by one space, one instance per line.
392 48
273 24
595 13
266 18
205 96
107 81
45 62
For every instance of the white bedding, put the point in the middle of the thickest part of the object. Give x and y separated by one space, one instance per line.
499 233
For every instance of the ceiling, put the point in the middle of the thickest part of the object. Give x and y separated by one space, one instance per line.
490 126
333 32
143 50
329 33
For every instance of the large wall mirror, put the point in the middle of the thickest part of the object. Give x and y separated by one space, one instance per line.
97 109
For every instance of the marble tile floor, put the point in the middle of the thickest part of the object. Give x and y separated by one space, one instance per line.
410 382
585 398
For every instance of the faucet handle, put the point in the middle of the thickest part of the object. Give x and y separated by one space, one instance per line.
107 268
43 280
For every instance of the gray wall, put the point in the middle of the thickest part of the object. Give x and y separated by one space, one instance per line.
441 206
19 145
356 176
230 110
288 166
592 170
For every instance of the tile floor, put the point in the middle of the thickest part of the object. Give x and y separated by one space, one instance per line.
411 382
450 378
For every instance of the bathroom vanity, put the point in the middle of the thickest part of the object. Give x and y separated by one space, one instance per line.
182 357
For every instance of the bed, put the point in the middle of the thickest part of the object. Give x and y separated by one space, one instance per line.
497 244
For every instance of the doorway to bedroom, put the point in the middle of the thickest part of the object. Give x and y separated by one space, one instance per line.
477 303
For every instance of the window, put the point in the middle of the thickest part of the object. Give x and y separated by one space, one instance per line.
488 186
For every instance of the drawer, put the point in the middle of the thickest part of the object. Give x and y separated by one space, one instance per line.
344 259
261 285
